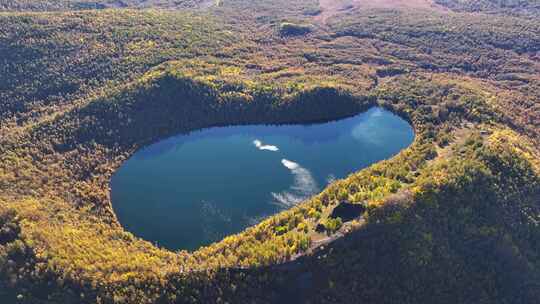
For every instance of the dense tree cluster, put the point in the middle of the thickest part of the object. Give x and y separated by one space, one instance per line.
516 7
454 218
499 50
63 5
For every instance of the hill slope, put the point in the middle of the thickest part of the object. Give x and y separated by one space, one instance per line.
454 218
63 5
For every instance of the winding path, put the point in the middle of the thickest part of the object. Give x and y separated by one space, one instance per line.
331 8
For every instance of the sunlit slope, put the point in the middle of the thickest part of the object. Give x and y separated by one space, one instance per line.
451 219
65 5
51 60
495 54
526 8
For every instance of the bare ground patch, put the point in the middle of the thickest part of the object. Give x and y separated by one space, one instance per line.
330 8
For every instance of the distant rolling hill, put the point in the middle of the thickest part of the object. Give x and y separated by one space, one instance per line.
520 7
452 219
50 5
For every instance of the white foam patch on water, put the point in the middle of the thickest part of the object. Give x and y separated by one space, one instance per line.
290 164
260 146
304 186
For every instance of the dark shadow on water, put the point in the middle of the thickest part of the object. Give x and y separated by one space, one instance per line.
301 132
7 296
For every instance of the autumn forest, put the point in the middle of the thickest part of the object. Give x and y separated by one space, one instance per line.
452 218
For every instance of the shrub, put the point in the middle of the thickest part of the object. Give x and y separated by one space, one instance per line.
292 29
333 225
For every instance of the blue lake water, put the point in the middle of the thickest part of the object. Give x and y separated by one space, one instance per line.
191 190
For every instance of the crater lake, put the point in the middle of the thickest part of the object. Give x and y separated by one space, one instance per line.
190 190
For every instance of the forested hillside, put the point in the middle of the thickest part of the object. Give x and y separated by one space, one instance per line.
453 218
64 5
513 7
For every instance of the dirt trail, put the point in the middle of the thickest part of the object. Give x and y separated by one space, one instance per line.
331 8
